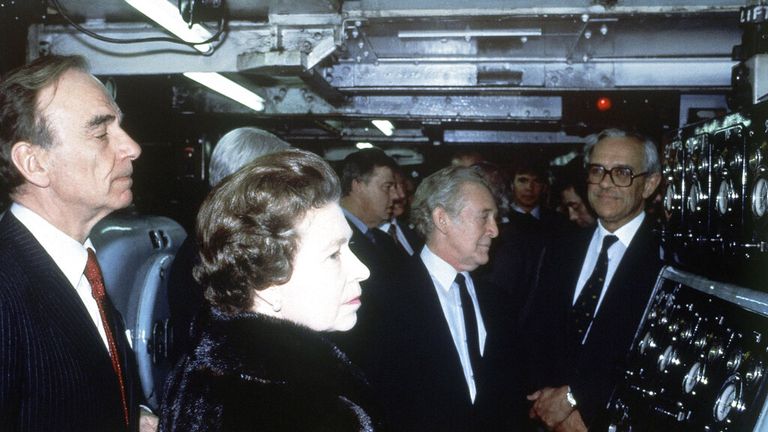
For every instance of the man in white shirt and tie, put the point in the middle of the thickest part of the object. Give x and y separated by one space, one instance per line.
592 289
436 337
65 163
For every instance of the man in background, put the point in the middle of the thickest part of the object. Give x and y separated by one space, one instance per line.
185 296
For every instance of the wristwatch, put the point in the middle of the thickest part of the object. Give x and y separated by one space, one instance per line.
569 397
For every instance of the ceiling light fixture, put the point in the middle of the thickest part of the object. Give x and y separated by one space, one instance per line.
385 126
364 145
438 34
167 15
228 88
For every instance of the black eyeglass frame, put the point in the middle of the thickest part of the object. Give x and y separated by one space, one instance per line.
610 172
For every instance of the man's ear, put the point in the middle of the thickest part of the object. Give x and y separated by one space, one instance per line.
440 219
651 183
31 161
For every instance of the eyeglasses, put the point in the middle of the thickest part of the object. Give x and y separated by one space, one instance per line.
620 176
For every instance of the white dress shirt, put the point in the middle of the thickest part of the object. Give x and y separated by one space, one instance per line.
615 253
400 235
68 254
443 275
535 212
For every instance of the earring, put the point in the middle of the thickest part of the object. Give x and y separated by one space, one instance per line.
277 306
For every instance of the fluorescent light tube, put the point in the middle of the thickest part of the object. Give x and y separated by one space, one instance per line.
432 34
385 126
228 88
167 15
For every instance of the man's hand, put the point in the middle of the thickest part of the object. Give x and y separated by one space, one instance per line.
148 422
550 406
572 423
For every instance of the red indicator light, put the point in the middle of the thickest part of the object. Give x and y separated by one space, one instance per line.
603 104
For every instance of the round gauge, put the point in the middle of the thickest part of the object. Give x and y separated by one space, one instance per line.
724 194
647 343
728 399
736 162
667 358
693 377
701 341
669 198
760 197
734 360
755 159
715 352
686 332
754 372
694 197
718 162
703 167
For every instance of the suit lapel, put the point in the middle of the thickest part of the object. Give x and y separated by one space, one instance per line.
53 293
626 288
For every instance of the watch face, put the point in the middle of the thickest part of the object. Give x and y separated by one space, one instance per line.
571 400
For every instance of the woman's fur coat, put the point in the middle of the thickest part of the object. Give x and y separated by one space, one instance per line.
251 372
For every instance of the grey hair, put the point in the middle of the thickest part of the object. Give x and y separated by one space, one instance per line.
650 152
442 189
239 147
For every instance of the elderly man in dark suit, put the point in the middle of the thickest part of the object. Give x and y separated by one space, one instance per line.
66 163
593 288
438 341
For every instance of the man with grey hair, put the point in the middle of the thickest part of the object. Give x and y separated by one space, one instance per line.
185 296
238 147
592 289
65 164
436 335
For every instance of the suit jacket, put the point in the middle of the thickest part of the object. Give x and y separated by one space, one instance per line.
592 370
185 297
385 260
57 373
414 366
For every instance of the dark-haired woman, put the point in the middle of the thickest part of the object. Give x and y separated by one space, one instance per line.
278 273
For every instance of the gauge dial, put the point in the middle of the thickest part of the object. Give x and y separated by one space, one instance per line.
668 358
647 343
760 197
755 159
729 399
734 360
669 198
693 377
736 162
694 197
755 371
724 195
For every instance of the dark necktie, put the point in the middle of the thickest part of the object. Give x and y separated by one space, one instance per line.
93 274
584 309
392 231
470 323
371 234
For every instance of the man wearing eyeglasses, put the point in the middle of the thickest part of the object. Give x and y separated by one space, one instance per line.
592 289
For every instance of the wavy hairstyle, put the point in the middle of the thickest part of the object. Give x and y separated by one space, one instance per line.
442 189
246 227
20 116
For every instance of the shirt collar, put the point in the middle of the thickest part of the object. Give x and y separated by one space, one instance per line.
626 233
355 221
440 270
68 254
536 212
